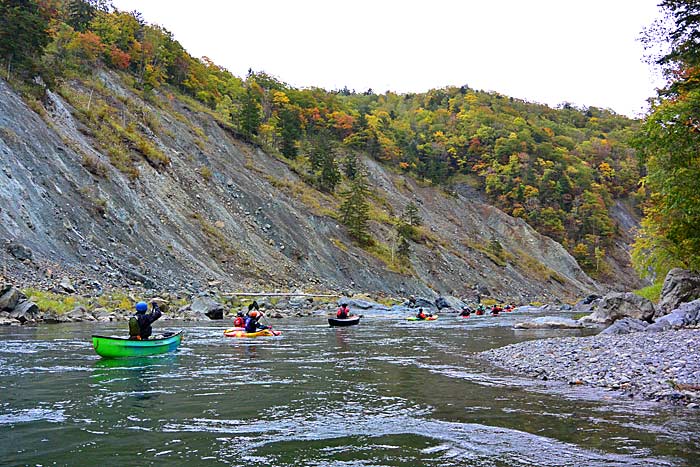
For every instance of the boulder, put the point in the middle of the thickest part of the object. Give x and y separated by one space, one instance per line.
9 299
449 302
25 311
441 302
208 306
355 304
688 314
136 276
618 305
588 304
591 299
66 286
549 322
21 252
626 326
51 317
420 302
680 286
7 321
299 301
79 313
103 315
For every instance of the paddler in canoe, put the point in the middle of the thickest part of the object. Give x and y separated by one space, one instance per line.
421 314
343 312
466 312
480 309
140 323
252 322
239 320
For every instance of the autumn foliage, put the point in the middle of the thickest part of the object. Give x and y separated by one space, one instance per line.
561 170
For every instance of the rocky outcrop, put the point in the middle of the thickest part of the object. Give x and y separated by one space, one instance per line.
18 251
449 302
687 314
679 286
615 306
358 304
9 297
207 306
626 326
549 322
15 308
25 311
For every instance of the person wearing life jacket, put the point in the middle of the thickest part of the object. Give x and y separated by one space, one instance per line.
466 312
252 324
343 312
140 324
496 309
239 320
480 309
421 314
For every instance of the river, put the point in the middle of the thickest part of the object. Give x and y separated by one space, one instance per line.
385 393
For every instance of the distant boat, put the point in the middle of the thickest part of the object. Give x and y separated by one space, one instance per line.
123 347
337 322
415 318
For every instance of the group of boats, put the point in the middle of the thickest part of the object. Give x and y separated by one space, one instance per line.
123 347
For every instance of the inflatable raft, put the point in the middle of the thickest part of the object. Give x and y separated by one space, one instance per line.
236 332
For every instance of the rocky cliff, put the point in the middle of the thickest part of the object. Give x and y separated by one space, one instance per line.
217 210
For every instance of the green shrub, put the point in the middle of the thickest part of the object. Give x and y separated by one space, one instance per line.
652 292
206 173
49 301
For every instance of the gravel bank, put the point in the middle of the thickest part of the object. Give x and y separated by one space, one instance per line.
662 366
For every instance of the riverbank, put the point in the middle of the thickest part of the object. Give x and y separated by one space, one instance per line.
660 366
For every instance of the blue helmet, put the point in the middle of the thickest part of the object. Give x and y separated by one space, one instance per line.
141 307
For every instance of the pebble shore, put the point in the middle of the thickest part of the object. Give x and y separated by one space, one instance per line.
660 366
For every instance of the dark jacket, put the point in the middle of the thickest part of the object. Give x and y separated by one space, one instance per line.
252 325
143 322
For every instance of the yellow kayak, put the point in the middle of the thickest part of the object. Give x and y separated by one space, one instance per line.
239 333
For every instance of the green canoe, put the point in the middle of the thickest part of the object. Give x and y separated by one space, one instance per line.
120 347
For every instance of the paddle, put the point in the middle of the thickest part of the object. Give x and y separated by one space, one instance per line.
269 326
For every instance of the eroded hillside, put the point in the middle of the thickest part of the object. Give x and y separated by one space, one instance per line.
172 199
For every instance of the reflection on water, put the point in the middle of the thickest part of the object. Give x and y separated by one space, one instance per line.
385 393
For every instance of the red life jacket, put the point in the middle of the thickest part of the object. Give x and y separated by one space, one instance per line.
343 313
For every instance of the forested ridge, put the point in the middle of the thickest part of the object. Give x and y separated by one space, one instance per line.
560 169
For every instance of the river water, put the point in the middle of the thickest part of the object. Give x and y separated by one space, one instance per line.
385 393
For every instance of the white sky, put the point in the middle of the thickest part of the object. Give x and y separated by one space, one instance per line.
550 51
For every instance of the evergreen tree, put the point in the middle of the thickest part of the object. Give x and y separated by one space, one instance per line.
23 34
410 215
249 117
404 232
351 165
82 12
321 147
290 129
404 249
354 212
330 175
